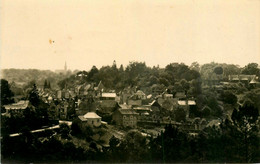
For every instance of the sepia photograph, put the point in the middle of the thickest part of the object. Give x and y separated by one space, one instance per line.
130 81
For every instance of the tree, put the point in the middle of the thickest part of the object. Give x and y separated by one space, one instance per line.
34 96
41 108
178 71
75 129
251 69
49 85
230 69
64 130
218 70
180 115
207 70
195 86
153 80
185 85
229 97
245 119
134 146
45 86
113 149
195 66
173 143
92 74
6 93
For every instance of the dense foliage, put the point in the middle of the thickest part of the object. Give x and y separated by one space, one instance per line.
234 140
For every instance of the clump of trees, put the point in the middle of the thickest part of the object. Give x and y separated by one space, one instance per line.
6 93
140 75
33 117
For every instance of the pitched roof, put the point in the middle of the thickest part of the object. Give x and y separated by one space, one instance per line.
241 77
108 103
125 106
206 107
244 78
168 95
149 96
88 116
139 92
127 111
20 105
191 102
100 84
253 81
155 103
110 95
141 108
180 95
181 102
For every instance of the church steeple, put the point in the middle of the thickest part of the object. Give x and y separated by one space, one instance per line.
65 67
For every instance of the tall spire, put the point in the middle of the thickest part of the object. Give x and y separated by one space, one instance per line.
65 67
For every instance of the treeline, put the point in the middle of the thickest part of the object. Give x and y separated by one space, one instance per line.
134 74
23 78
138 74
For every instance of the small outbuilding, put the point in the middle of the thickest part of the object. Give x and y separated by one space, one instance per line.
90 119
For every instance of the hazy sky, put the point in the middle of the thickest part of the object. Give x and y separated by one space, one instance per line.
43 34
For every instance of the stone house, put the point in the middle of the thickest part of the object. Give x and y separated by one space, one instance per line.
125 118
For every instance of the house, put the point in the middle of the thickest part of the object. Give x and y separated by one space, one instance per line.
188 105
63 94
125 118
126 93
63 109
100 87
90 119
16 108
143 112
84 90
253 83
241 78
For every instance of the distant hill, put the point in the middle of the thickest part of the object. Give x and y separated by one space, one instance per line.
22 77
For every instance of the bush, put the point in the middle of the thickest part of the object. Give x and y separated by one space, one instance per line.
229 98
64 130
